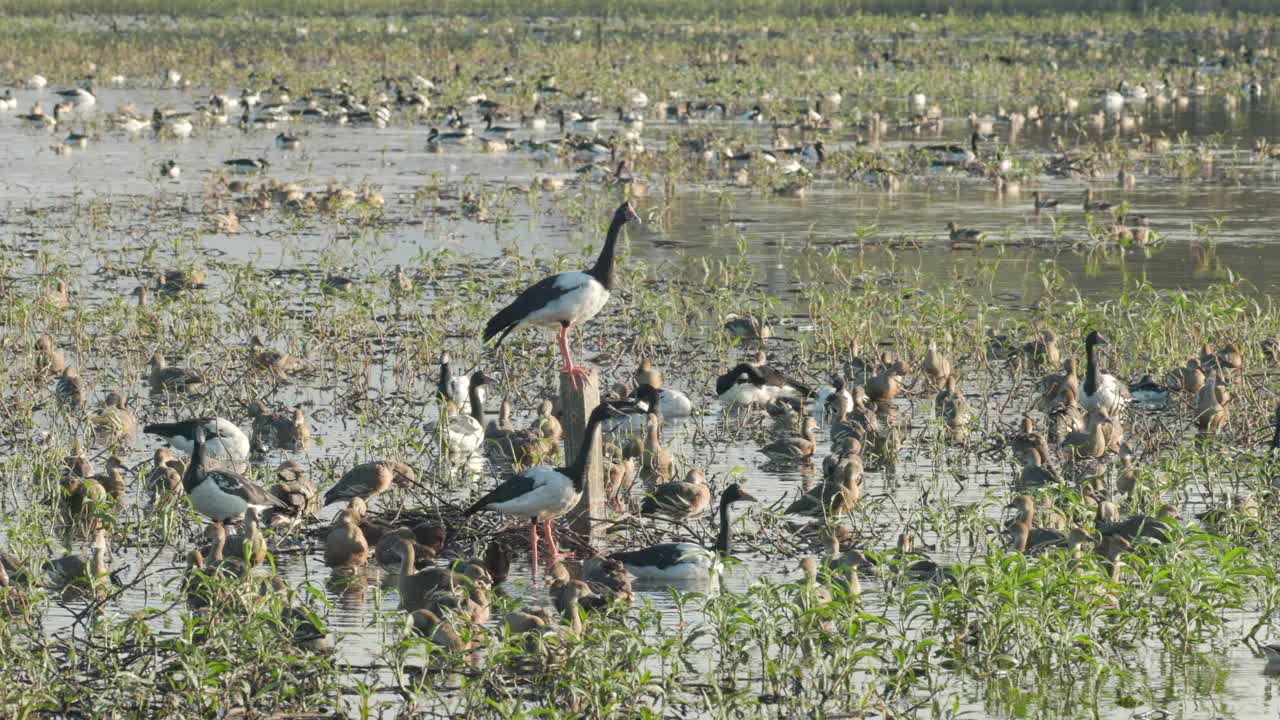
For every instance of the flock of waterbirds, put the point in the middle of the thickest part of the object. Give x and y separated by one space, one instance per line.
780 144
1077 432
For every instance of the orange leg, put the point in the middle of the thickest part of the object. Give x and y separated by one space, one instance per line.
576 372
533 543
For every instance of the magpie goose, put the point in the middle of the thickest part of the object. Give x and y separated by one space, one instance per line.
247 165
463 433
225 442
686 561
221 495
1100 391
748 384
542 493
566 298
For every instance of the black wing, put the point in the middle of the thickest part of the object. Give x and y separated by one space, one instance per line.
240 486
181 428
534 298
777 379
661 556
731 378
512 488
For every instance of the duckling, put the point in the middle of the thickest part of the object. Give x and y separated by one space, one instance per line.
345 546
679 499
296 492
797 448
819 593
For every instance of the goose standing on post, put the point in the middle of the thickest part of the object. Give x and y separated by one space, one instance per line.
685 561
1100 391
542 493
566 298
221 495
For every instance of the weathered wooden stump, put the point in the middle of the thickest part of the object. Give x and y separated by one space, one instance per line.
577 404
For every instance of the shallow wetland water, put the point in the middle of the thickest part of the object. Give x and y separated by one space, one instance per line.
469 226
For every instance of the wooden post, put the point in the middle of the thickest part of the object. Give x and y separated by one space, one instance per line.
577 404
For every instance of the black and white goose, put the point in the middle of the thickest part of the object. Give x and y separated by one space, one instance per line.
464 433
221 495
680 561
225 442
247 165
1100 391
565 299
748 384
81 97
543 493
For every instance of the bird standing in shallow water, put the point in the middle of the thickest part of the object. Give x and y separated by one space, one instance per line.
566 298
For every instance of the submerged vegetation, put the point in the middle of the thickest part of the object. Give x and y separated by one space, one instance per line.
1000 531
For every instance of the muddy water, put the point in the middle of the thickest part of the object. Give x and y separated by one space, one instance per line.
119 171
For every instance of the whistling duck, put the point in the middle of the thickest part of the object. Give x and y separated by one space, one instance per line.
345 545
794 448
369 480
835 497
679 499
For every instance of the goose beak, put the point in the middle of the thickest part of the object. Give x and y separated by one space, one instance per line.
744 496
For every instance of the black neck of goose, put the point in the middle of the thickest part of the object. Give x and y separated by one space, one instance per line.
1275 441
1091 370
725 536
195 469
444 389
477 405
603 270
577 472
